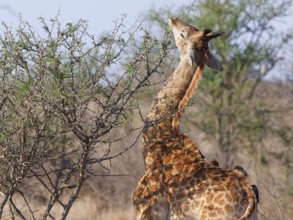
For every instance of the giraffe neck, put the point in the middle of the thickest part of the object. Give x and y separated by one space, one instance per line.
171 99
192 86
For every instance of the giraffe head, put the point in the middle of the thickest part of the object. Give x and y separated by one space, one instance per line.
191 40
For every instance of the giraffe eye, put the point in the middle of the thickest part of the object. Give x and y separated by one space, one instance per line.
182 35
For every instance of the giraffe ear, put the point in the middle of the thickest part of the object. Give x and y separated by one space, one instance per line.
213 62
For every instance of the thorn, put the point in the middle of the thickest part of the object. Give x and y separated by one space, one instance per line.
72 186
256 192
241 170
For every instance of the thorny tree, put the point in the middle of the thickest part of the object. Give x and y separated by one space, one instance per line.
61 97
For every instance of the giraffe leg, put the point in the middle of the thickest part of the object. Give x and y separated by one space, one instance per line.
146 196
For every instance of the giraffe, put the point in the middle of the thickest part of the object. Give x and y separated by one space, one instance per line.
176 173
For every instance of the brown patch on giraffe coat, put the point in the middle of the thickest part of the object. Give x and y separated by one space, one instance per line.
209 197
228 208
228 197
180 196
212 214
220 212
185 181
221 202
199 173
218 197
243 202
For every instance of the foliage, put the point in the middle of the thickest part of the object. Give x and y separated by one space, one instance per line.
62 98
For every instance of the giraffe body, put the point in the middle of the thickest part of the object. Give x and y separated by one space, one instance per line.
177 179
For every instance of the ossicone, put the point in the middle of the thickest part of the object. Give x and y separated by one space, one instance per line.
209 34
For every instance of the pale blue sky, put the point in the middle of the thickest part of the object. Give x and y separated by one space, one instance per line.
100 14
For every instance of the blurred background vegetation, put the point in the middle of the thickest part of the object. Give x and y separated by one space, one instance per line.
72 108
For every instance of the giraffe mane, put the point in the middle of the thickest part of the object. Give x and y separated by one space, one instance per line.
192 86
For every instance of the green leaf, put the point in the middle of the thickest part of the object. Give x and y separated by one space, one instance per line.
129 69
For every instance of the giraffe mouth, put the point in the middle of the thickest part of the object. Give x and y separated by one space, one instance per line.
172 21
